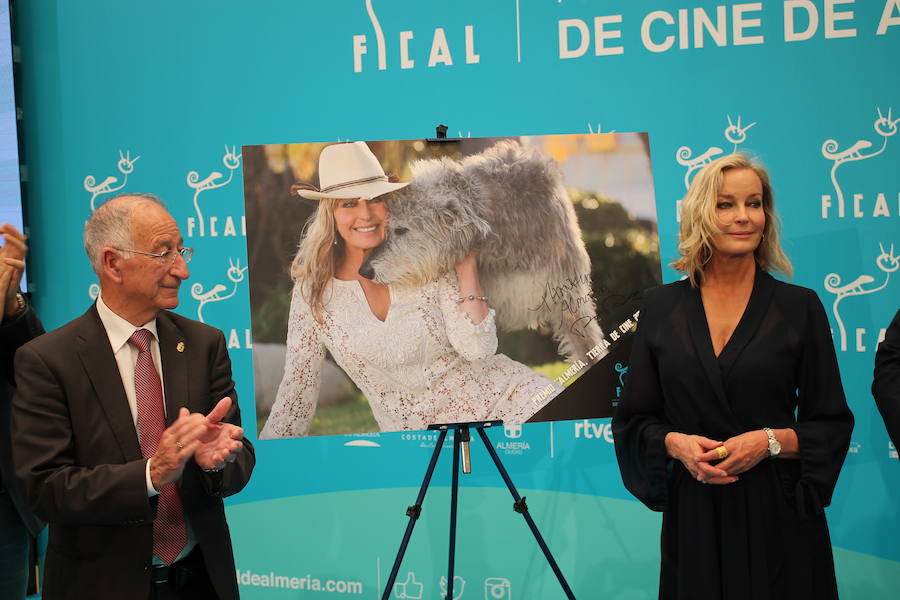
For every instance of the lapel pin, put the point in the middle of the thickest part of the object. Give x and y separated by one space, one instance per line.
180 347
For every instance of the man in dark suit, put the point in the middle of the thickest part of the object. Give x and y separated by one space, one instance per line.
18 325
886 383
126 426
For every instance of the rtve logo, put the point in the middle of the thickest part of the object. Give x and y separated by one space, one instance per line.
591 430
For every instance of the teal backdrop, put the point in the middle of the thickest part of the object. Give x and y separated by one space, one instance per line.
159 97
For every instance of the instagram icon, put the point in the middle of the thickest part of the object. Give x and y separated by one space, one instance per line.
497 588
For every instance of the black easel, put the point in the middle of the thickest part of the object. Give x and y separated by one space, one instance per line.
461 442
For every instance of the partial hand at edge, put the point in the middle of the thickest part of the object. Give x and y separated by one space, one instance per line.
12 265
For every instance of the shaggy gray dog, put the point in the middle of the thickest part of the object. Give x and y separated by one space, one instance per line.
510 204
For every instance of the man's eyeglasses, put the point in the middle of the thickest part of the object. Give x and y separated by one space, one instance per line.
167 257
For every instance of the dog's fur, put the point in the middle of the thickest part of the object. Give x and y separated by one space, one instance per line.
510 204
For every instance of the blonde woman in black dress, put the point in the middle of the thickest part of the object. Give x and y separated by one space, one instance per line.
733 420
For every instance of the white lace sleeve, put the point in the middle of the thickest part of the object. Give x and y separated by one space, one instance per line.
472 342
298 393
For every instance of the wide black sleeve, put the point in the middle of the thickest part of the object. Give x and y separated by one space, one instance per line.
824 421
640 426
15 333
886 382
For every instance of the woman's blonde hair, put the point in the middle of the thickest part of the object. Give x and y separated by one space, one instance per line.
699 223
319 252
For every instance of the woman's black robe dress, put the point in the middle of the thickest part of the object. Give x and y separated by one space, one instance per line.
763 537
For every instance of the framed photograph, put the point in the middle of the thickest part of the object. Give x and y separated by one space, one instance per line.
400 284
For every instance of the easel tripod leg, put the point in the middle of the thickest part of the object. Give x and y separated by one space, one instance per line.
458 436
521 507
413 513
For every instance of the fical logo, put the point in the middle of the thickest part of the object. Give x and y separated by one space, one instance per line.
735 133
885 127
108 185
409 50
235 274
887 262
621 370
215 180
220 292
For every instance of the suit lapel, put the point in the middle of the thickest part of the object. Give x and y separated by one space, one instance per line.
172 350
95 354
757 306
703 347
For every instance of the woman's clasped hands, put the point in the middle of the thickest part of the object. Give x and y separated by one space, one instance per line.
716 462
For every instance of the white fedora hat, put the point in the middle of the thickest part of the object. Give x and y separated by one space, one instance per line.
348 170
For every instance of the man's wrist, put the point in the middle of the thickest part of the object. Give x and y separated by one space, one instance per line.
151 489
15 307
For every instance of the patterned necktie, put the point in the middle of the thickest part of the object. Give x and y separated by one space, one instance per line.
169 533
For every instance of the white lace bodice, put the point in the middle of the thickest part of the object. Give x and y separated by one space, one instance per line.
426 363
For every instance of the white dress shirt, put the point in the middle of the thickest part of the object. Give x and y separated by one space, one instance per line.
119 331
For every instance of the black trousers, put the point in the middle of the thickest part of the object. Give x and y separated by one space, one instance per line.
186 579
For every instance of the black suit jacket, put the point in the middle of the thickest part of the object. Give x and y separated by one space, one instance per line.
12 336
78 455
886 384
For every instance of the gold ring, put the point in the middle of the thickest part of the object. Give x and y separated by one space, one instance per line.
179 444
722 451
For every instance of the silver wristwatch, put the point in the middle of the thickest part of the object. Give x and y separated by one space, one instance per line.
774 444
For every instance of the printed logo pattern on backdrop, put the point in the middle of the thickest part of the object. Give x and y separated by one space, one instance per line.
212 224
621 370
495 588
107 186
439 54
214 180
885 127
125 165
234 273
888 263
861 202
459 584
599 129
409 589
734 133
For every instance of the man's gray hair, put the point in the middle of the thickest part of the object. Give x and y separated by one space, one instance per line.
110 226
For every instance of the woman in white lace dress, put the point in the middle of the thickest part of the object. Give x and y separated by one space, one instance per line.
420 356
